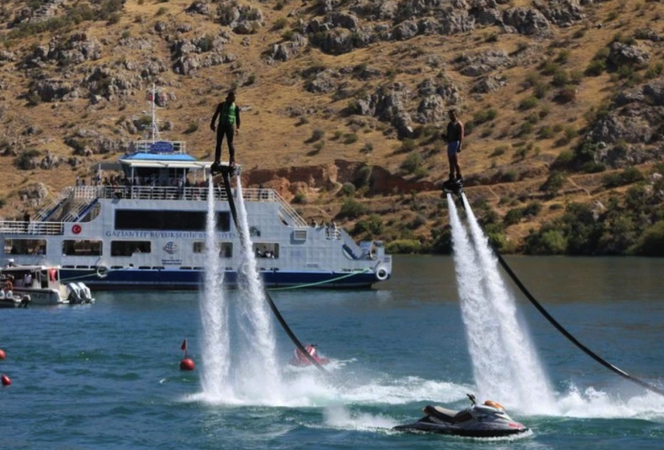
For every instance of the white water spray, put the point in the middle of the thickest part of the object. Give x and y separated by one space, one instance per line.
214 315
530 388
259 375
490 364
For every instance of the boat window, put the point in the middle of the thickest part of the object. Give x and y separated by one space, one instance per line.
81 248
225 248
300 235
129 219
270 251
25 247
129 248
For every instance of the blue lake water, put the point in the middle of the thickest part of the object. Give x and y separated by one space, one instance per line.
106 376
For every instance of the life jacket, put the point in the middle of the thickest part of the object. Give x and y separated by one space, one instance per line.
228 113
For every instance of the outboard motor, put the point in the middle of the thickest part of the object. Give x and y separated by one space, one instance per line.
75 294
86 295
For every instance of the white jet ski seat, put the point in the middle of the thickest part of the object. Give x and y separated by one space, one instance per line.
446 415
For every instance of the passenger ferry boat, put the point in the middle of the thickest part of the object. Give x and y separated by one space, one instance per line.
148 231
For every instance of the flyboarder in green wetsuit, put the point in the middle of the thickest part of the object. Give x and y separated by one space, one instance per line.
229 118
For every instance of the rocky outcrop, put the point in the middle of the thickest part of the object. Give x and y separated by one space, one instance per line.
33 195
50 161
110 82
242 19
389 104
488 84
632 134
198 7
563 13
483 63
52 89
628 55
285 51
76 49
185 53
527 21
323 82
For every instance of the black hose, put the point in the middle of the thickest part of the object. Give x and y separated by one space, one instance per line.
270 302
566 333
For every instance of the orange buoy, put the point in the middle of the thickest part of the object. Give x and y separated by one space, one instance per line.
6 381
2 354
187 364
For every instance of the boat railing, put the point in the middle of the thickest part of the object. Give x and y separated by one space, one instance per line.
39 228
287 209
90 193
47 211
152 147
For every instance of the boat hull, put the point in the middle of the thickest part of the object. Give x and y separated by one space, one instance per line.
126 279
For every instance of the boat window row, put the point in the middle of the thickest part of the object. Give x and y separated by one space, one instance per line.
131 219
87 247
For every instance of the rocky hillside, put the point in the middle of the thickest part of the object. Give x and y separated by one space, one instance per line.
343 102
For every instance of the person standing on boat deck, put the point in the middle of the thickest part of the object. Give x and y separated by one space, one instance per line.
229 116
454 139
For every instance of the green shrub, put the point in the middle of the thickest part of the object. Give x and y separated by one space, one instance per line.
628 176
351 209
367 148
161 11
563 56
411 163
347 190
553 183
560 78
651 241
513 217
498 151
485 115
192 128
403 246
408 145
528 103
317 135
350 138
24 159
300 198
595 68
549 68
280 23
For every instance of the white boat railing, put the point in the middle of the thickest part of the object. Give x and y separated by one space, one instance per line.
57 201
40 228
147 146
188 194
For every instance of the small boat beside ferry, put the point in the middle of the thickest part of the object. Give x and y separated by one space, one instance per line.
142 226
40 285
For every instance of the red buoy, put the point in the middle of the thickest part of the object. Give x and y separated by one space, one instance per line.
2 354
187 364
6 381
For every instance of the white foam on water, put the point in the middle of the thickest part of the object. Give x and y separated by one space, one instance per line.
491 369
309 390
258 375
529 388
593 403
215 363
338 416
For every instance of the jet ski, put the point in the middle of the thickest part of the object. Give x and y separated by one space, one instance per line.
488 420
453 186
300 360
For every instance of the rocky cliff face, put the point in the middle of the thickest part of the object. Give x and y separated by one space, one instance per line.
337 93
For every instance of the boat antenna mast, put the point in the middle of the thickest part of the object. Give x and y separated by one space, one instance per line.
153 110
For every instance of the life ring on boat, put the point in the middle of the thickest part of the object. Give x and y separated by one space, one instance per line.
382 273
244 269
102 271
